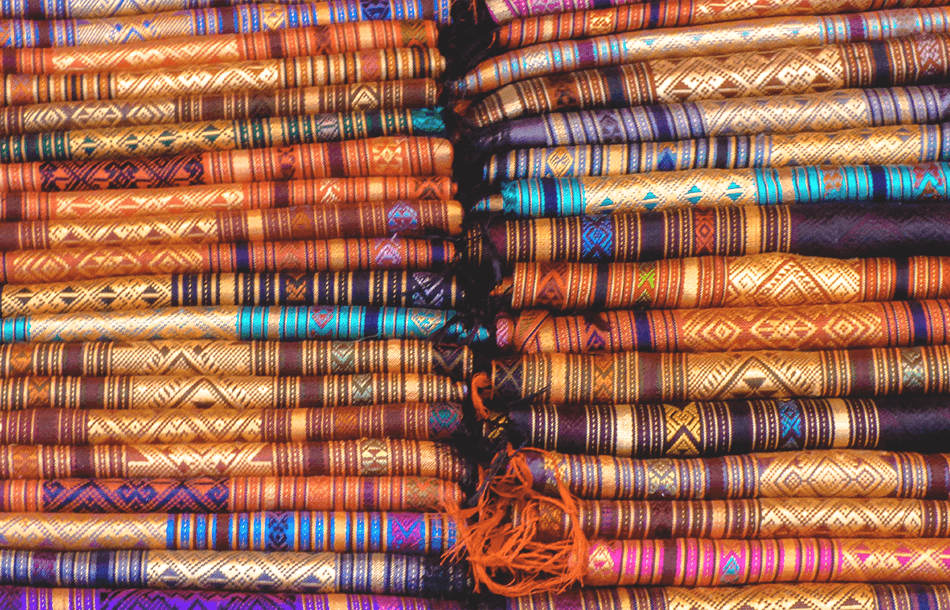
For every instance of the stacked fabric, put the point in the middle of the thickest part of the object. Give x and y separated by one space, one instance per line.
719 379
232 370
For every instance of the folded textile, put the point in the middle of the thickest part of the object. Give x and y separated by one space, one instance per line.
721 187
177 357
749 519
322 168
301 221
841 231
758 280
188 22
181 138
701 562
202 392
239 570
33 598
691 41
393 288
900 423
595 15
220 494
294 323
264 75
220 48
806 327
903 144
221 424
311 532
34 266
750 74
361 458
802 596
835 473
836 110
341 10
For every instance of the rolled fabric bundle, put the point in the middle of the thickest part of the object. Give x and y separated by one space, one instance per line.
222 48
308 532
44 212
178 358
219 424
157 140
690 41
382 573
231 105
236 19
751 74
202 392
34 598
837 110
808 327
898 423
758 280
834 473
218 494
330 162
382 288
721 187
293 323
903 144
361 458
35 266
841 231
804 596
734 562
584 18
300 222
338 10
361 66
634 377
761 518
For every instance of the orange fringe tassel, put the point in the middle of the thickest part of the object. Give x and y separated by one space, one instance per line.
508 558
481 387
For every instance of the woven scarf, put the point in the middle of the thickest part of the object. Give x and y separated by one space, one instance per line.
294 323
361 458
203 392
190 22
715 39
807 327
239 570
220 494
221 48
381 288
762 518
904 144
231 105
324 164
32 266
300 221
664 81
220 424
807 596
759 280
155 140
721 187
780 114
310 532
841 231
900 423
176 358
32 598
835 473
